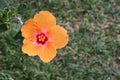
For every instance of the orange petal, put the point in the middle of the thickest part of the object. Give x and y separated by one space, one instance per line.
29 29
59 36
45 19
30 48
48 53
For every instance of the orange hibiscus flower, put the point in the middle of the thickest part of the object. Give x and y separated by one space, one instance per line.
42 36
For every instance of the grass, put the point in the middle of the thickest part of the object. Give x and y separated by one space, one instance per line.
93 51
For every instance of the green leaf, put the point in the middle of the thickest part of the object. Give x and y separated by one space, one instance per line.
3 27
3 4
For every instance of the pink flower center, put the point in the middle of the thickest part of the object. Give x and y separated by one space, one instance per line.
41 38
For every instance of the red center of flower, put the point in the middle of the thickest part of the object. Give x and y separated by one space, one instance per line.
41 38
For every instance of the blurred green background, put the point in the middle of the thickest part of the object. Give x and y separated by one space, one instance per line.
93 51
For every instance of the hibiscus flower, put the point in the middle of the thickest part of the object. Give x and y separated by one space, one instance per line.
42 36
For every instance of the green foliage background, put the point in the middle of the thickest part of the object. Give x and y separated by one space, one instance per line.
93 51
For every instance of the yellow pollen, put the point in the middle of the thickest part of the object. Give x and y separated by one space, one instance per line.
39 37
42 40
